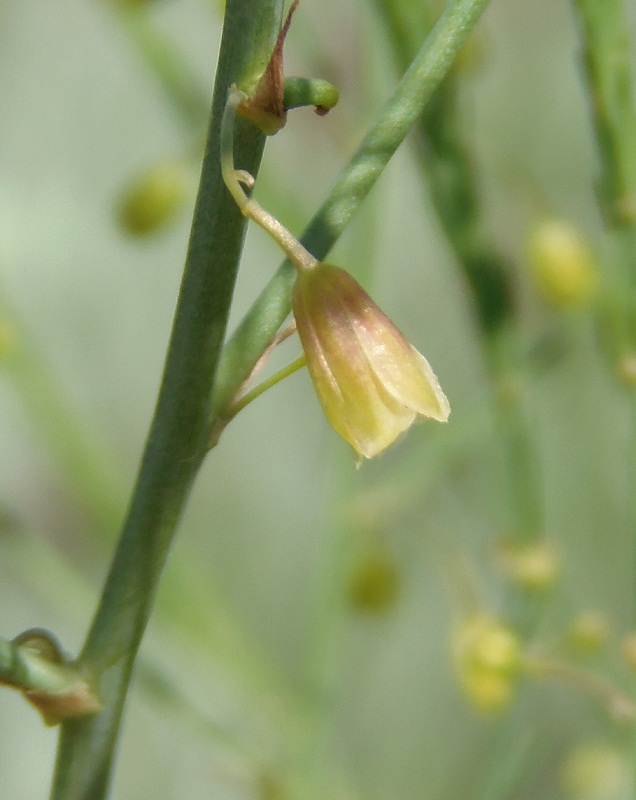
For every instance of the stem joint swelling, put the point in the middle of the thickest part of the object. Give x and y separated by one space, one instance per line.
35 664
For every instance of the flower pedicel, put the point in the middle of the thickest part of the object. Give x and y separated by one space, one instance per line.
371 382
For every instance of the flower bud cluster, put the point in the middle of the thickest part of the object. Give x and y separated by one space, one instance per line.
487 659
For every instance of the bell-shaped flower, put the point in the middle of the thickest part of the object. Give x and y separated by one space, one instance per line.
371 382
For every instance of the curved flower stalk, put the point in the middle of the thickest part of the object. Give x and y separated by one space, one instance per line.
371 382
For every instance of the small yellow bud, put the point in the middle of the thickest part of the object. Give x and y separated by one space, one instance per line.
153 199
562 265
628 650
535 566
371 382
595 772
589 632
487 656
375 585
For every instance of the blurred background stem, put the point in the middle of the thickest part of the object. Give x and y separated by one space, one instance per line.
606 54
607 69
448 175
446 168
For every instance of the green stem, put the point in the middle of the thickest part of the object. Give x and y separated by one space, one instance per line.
607 63
25 668
315 92
378 146
447 169
605 52
177 440
513 755
520 470
238 405
257 391
448 172
606 59
608 70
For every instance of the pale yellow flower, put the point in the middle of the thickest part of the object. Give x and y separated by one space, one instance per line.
562 264
487 658
371 382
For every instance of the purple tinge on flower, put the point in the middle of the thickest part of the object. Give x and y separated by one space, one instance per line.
371 382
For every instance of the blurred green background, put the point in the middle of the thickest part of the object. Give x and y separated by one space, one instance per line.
267 671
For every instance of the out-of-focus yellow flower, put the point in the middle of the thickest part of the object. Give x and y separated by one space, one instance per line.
535 566
626 369
487 657
371 382
628 650
153 199
374 586
562 264
596 772
589 632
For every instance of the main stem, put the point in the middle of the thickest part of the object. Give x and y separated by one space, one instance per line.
177 439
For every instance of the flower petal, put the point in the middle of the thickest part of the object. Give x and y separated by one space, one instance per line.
401 369
371 382
369 418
